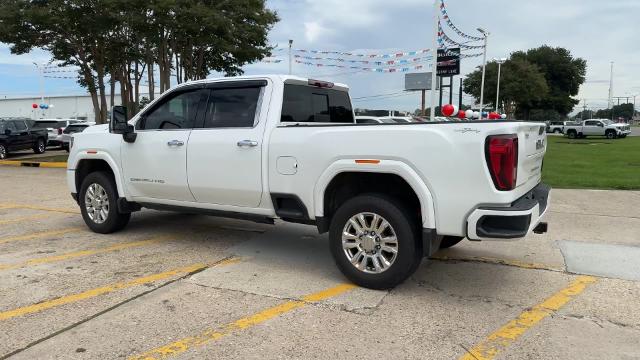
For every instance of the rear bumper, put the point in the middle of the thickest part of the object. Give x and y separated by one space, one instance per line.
511 222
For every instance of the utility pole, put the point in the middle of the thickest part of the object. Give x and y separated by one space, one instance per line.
434 63
41 80
500 62
290 56
584 109
484 67
611 91
460 95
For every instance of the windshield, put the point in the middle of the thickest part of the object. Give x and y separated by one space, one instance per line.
607 122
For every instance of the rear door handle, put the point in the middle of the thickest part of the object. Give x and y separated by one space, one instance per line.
248 143
175 143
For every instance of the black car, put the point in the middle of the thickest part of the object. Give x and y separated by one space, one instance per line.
18 134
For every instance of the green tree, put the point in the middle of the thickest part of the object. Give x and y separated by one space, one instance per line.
563 73
521 85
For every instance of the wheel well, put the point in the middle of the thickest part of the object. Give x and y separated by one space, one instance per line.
87 166
350 184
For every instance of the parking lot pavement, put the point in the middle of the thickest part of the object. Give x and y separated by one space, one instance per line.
189 287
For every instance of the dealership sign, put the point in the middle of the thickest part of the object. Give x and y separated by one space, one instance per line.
448 62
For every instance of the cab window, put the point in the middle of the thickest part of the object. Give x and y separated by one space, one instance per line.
307 104
178 111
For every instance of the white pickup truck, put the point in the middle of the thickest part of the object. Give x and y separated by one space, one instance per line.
597 127
273 147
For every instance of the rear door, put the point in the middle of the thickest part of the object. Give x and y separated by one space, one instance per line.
225 151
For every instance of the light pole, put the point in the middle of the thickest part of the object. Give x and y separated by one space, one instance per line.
290 56
41 80
500 62
485 34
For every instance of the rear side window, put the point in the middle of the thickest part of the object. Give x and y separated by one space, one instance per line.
308 104
232 108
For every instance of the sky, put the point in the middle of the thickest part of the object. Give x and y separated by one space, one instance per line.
595 30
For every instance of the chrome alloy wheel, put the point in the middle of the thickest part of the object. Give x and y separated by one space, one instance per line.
41 146
370 243
3 153
96 202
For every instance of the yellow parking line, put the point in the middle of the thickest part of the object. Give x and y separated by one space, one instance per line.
34 207
503 337
83 253
207 336
44 164
30 309
24 218
39 235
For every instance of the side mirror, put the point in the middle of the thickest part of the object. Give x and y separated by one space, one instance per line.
601 124
119 124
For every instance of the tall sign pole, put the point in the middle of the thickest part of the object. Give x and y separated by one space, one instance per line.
290 56
434 53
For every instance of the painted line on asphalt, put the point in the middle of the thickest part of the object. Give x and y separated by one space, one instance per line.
497 261
40 235
42 164
83 253
498 341
42 208
24 218
210 335
68 299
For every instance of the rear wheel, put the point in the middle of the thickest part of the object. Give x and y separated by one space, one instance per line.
98 203
39 147
449 241
374 241
3 152
572 134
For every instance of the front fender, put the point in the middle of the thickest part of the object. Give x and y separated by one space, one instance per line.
384 166
97 155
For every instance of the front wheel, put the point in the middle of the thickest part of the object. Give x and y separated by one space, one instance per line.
374 241
3 152
39 147
611 135
98 204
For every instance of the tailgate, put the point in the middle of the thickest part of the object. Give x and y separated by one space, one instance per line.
532 139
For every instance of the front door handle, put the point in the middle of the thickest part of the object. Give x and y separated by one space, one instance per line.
175 143
248 143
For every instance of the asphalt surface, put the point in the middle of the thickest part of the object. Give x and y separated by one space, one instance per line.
192 287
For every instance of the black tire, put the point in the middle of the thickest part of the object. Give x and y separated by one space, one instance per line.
409 248
40 147
449 241
610 134
4 152
572 134
115 220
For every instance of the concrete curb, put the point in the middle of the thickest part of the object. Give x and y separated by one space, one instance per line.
59 165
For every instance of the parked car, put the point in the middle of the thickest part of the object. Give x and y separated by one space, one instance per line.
54 127
16 134
597 127
272 147
67 133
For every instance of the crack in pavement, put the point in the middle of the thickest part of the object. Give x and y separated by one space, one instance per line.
599 321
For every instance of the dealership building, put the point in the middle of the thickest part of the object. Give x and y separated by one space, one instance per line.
60 107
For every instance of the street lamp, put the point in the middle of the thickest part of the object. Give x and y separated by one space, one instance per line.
485 34
500 62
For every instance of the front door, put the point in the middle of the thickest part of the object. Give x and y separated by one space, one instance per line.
155 165
593 128
225 154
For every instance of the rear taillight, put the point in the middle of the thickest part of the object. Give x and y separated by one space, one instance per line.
502 160
59 131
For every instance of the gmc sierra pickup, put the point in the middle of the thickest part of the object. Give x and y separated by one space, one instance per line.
282 147
597 127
